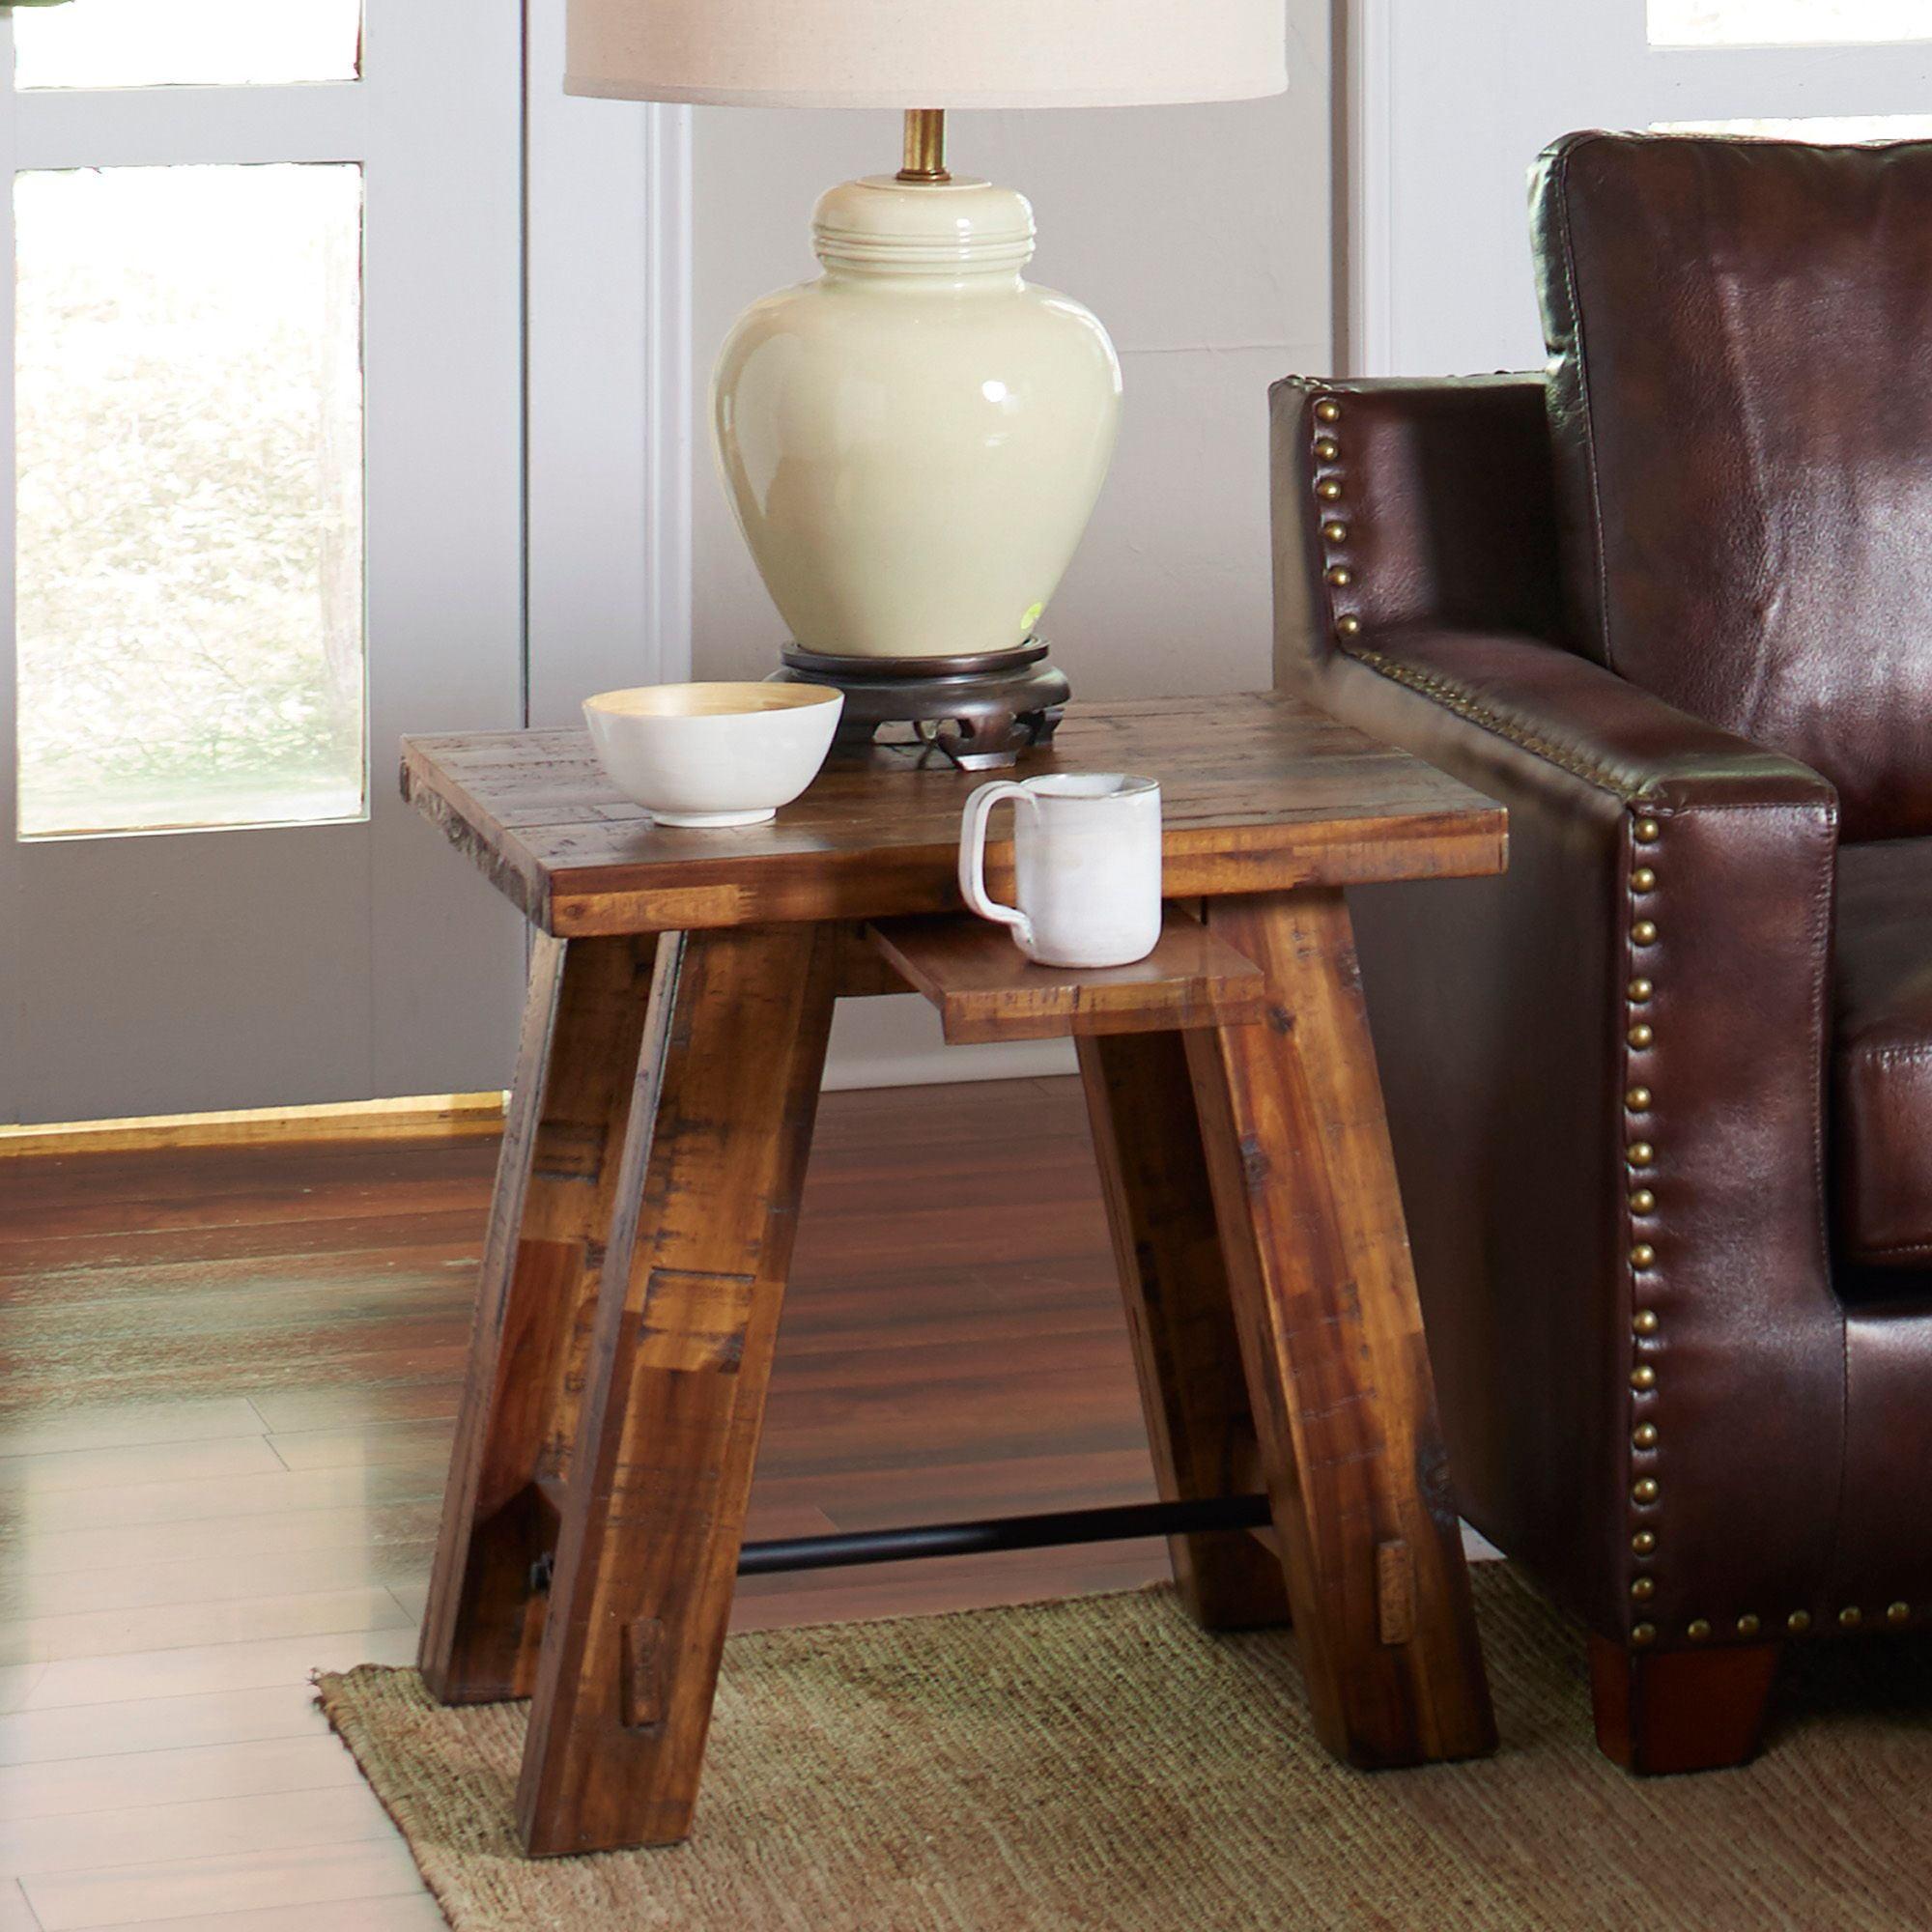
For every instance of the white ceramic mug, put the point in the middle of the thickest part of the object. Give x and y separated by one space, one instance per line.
1086 854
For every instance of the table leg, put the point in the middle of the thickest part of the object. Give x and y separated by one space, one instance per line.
1331 1334
556 1188
687 1318
1167 1249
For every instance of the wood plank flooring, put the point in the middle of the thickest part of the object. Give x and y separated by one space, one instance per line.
227 1383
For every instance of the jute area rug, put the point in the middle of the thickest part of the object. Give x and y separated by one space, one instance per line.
1100 1763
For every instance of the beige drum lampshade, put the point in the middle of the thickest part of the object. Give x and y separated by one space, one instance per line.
927 54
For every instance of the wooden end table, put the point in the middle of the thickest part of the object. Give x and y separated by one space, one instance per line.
680 999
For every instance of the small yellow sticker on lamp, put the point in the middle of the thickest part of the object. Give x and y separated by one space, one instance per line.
1031 618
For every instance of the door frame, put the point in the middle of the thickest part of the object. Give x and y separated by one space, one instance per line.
610 396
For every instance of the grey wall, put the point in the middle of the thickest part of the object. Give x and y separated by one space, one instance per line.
1201 237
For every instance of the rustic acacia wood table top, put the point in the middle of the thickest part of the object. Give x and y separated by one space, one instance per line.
1259 793
667 1076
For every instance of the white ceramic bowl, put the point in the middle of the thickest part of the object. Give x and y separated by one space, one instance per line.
707 754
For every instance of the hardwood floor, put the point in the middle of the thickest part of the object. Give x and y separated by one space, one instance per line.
227 1379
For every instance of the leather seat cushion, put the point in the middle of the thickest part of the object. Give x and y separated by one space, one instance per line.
1882 1053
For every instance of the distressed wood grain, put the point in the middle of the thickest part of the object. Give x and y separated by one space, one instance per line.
1259 792
1187 1360
986 989
542 1263
1331 1336
687 1322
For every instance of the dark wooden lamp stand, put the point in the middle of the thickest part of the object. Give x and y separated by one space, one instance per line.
981 713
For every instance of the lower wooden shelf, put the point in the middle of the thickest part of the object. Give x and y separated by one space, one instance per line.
986 989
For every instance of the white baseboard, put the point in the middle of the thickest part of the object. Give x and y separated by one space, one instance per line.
897 1042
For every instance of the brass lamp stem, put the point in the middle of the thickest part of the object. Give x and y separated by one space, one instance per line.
925 144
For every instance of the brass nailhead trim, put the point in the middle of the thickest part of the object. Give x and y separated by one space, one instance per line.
1643 1255
1645 1490
1897 1613
1699 1629
1347 626
1644 1320
1478 713
1747 1625
1798 1622
1851 1616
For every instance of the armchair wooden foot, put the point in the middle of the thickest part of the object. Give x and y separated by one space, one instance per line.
1681 1709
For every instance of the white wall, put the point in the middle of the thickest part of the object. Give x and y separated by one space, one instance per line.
1201 235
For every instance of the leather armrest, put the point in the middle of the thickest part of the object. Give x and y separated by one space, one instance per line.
1606 1078
1546 702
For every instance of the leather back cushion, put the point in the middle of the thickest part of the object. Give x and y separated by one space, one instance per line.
1742 406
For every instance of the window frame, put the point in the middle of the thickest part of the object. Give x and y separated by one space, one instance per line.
527 413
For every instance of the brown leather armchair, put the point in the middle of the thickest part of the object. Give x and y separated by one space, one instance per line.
1663 1096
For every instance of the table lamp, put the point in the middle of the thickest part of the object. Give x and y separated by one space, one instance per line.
914 443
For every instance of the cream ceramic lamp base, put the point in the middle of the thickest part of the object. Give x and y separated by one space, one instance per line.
915 442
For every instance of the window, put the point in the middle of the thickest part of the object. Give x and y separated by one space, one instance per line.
189 434
1829 130
1784 23
207 42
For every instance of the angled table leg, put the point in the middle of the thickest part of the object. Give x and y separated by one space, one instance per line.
556 1188
1331 1335
1167 1249
687 1319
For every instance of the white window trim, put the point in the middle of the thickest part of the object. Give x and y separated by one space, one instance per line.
1366 89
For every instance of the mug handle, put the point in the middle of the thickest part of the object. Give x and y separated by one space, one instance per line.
973 857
